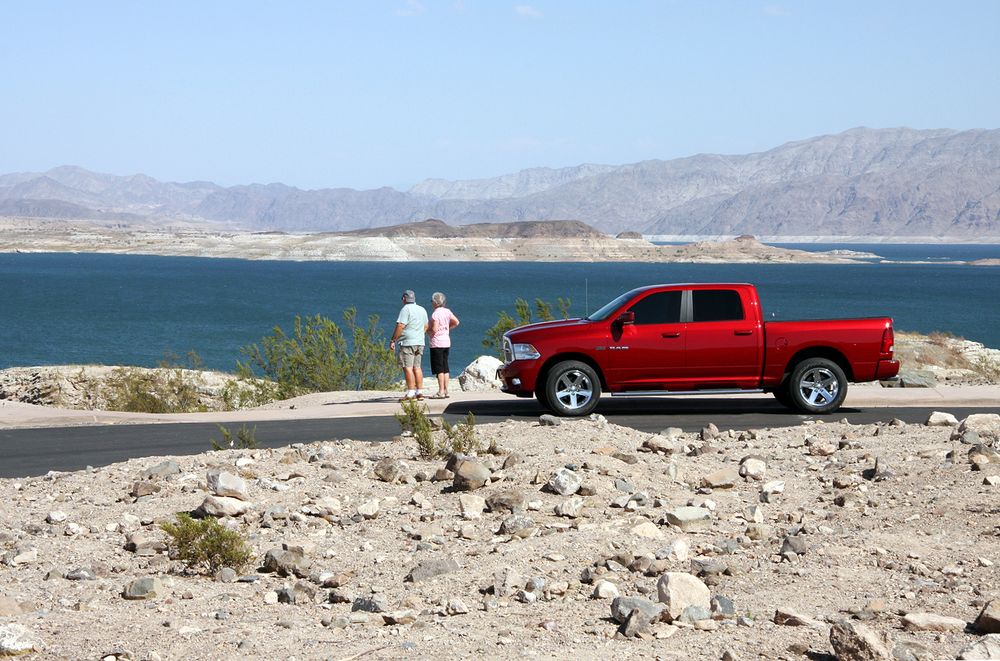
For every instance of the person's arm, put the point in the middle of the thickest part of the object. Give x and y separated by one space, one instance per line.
454 321
395 335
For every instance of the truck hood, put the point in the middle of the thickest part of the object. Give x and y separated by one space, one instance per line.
546 325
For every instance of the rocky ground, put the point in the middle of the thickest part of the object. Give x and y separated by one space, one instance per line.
581 539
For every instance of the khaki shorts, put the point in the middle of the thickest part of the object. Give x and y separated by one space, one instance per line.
410 356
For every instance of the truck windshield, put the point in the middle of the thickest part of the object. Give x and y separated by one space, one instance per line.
608 309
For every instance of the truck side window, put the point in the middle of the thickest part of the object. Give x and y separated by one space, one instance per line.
716 305
660 308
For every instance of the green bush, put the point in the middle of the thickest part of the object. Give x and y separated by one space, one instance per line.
316 357
413 418
246 439
169 390
206 545
493 339
462 437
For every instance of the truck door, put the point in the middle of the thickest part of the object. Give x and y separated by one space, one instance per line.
723 342
649 354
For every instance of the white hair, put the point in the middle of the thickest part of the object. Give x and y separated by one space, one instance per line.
438 298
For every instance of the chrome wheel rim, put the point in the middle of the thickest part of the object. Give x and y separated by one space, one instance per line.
574 389
819 386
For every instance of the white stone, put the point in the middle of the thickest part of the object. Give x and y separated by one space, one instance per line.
472 506
369 509
648 530
223 483
941 419
678 590
605 590
16 640
223 506
480 375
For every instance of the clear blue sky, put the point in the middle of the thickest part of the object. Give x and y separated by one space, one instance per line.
388 92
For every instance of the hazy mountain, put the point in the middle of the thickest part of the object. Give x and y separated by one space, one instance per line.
880 182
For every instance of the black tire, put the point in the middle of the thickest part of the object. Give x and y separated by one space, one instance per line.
817 385
572 389
542 399
783 396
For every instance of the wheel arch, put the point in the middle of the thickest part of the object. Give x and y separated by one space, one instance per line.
829 353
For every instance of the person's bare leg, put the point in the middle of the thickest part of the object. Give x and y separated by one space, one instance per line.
418 377
410 378
442 383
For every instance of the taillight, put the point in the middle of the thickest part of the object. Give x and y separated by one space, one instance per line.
887 340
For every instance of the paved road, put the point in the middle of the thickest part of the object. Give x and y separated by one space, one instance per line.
25 452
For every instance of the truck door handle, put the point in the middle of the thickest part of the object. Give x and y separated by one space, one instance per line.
743 332
671 335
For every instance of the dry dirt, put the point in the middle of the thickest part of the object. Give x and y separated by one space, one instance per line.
920 537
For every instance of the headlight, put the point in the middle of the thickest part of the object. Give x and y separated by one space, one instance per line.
525 352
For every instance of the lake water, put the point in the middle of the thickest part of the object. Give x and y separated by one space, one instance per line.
116 309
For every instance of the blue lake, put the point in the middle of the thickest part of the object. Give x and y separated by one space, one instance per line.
115 309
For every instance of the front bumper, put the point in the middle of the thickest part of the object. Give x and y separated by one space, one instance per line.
518 377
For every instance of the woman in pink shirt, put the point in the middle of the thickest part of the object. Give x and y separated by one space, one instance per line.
442 321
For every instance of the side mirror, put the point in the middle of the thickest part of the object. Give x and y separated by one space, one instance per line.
625 318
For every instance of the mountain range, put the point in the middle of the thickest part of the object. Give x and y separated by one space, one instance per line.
862 182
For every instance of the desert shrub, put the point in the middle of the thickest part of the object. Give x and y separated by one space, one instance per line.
462 437
316 357
413 418
171 389
204 544
246 439
493 339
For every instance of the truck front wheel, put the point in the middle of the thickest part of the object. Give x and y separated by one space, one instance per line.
817 385
572 388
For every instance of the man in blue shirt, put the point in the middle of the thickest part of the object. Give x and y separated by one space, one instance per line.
411 326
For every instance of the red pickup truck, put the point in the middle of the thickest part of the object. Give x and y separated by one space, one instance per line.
693 339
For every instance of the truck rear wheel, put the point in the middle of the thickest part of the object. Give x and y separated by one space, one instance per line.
817 385
783 396
572 388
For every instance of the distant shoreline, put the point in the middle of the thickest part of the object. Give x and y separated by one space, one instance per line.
867 239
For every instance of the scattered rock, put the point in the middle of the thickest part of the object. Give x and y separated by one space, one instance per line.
432 567
16 640
753 467
622 607
508 500
725 478
932 622
678 590
856 642
161 470
790 618
144 588
472 506
224 483
470 475
389 470
987 647
941 419
988 620
689 518
219 506
564 482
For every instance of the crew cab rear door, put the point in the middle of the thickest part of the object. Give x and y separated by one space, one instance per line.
724 339
649 353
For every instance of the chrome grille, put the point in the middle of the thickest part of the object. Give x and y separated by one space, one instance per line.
508 350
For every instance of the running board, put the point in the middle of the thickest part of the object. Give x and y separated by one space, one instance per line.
670 393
